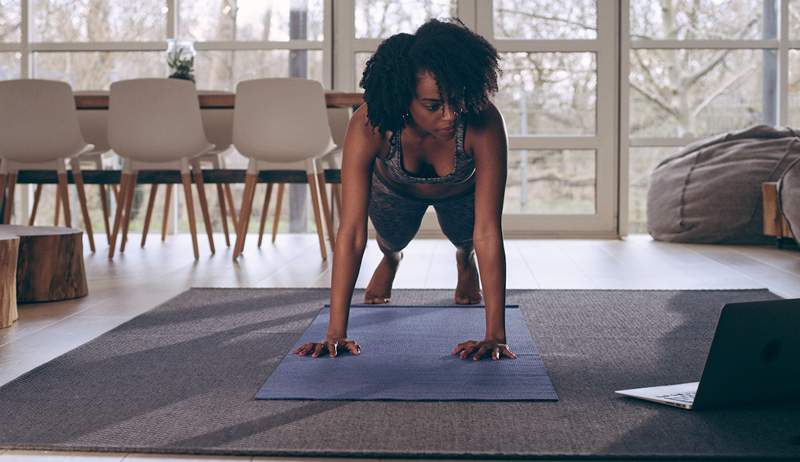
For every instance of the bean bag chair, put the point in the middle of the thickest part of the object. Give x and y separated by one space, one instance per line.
710 191
789 197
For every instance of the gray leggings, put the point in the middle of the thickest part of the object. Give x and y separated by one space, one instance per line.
397 216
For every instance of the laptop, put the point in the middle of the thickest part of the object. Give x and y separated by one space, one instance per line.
754 357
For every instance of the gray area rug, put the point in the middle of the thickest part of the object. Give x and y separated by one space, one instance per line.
409 359
181 378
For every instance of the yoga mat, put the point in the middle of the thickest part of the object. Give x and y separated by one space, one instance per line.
406 356
181 379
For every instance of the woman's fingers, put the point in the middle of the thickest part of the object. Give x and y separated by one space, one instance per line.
317 349
354 348
508 353
480 352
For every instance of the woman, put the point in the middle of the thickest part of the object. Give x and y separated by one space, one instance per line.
427 97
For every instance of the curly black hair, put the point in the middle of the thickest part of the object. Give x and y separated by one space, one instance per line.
464 64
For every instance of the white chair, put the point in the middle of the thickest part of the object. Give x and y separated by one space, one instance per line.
94 127
154 124
281 124
39 131
338 118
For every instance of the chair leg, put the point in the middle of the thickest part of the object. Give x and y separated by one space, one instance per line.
124 179
201 193
37 196
223 213
165 216
244 214
312 184
57 214
231 206
3 178
106 213
129 194
149 214
278 204
187 191
326 211
264 211
12 183
87 219
62 186
336 192
116 189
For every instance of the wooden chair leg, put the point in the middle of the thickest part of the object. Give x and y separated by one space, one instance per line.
264 211
278 204
62 186
201 193
106 213
326 211
149 214
244 214
117 216
312 184
223 214
37 196
165 216
129 194
231 206
116 189
87 219
57 214
336 192
9 208
3 180
187 191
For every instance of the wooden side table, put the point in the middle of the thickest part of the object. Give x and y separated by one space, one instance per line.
9 249
774 223
49 263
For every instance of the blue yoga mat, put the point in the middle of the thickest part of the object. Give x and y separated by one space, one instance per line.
405 356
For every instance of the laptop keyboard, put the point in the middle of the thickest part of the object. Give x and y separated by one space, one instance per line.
687 397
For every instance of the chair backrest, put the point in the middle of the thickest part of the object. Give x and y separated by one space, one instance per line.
338 118
38 121
281 120
155 120
218 125
94 127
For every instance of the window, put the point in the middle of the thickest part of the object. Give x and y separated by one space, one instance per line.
594 92
699 68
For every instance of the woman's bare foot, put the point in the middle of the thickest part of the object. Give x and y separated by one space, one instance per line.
468 290
379 290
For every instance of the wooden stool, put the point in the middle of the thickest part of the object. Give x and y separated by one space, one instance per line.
9 249
49 264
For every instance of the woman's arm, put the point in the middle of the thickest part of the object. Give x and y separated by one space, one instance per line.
490 151
361 145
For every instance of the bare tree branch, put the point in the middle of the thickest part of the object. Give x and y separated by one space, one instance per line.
721 55
654 99
547 18
647 73
721 89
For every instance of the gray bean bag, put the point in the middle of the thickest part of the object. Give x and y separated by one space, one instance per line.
710 191
789 197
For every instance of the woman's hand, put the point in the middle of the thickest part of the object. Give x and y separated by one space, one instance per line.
331 345
493 347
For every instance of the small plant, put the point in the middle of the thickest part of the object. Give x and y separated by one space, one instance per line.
180 59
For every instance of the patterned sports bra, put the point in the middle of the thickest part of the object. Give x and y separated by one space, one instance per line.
463 166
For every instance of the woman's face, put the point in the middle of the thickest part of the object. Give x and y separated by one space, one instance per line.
429 113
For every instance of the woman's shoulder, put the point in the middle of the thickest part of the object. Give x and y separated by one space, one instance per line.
365 137
484 126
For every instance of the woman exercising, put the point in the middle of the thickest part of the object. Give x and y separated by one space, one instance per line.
427 134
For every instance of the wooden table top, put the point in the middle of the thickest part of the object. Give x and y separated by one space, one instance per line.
213 99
